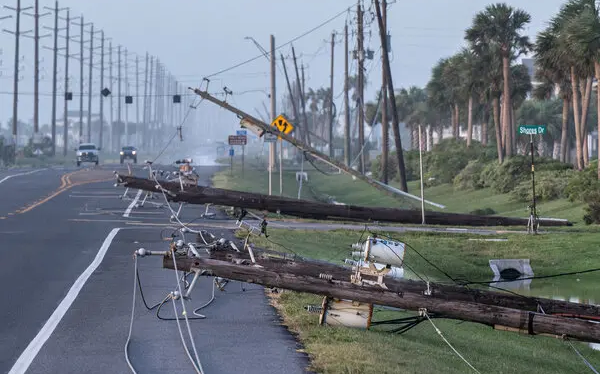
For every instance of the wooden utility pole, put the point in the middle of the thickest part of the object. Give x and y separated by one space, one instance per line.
279 275
90 85
331 119
290 90
112 95
126 71
55 50
119 98
68 95
347 148
145 109
100 143
273 62
137 98
17 33
317 210
82 25
302 102
385 129
304 147
360 55
392 97
150 119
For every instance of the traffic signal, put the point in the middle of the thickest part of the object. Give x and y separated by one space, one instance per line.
128 99
176 99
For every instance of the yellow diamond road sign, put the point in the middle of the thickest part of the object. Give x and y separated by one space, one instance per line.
282 124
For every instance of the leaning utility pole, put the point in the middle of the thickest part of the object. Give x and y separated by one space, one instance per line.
395 119
347 149
385 130
55 49
81 62
361 90
302 102
331 119
17 34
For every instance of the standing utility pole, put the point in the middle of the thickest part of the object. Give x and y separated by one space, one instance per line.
361 91
149 118
145 109
346 101
17 34
395 119
68 95
119 97
90 85
126 71
81 62
273 113
110 87
137 97
56 10
331 119
101 88
385 130
36 66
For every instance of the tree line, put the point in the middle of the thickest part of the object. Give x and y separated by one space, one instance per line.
483 85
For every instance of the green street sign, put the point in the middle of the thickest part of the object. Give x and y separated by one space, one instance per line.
531 129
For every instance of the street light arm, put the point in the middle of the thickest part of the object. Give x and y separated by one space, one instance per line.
262 50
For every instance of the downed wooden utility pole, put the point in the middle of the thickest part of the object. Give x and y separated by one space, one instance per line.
318 210
277 276
299 144
313 268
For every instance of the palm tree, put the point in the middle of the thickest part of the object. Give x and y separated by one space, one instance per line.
501 24
552 70
583 35
438 97
472 84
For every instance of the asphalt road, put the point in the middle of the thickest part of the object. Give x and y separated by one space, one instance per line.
68 273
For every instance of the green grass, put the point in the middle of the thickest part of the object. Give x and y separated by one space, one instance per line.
345 189
421 350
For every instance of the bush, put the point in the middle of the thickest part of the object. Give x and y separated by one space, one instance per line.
505 177
470 177
549 185
583 183
483 212
592 211
411 165
449 157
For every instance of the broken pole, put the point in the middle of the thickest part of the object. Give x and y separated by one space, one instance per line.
318 210
530 322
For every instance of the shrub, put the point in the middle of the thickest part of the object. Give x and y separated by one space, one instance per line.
583 182
549 185
411 165
470 177
592 211
483 212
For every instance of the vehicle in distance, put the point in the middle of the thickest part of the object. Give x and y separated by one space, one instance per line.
129 152
87 152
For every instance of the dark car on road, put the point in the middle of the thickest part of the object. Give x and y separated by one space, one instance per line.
129 152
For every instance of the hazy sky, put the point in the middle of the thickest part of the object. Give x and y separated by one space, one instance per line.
196 38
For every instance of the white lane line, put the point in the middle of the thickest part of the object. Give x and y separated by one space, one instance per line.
130 207
18 175
34 347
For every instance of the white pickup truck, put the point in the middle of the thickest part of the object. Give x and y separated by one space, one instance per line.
87 152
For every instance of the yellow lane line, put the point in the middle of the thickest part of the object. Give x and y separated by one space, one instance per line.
59 191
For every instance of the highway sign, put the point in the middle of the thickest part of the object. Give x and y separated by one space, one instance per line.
282 124
270 138
531 129
231 152
241 132
237 139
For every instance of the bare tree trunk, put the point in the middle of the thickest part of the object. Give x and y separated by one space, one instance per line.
429 137
564 130
456 122
513 121
585 107
506 105
470 121
556 150
578 143
414 133
496 111
440 132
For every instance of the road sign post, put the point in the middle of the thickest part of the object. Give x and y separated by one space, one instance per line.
231 160
532 130
284 126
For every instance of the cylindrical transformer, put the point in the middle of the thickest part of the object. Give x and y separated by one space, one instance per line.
386 252
395 272
346 313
